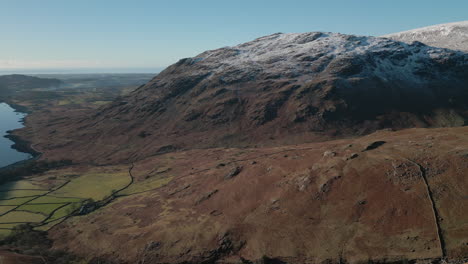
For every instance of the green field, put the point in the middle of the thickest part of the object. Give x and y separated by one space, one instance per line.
19 185
15 201
4 209
20 193
28 202
21 217
62 212
94 185
52 199
44 209
8 226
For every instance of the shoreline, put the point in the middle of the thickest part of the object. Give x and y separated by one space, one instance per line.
17 107
19 144
22 145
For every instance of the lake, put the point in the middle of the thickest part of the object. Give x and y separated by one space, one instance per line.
9 120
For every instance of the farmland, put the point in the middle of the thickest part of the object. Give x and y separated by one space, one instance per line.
50 198
46 200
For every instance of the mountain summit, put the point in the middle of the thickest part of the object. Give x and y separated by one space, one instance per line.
451 36
282 87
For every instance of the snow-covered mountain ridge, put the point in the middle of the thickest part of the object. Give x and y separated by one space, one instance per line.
308 54
451 36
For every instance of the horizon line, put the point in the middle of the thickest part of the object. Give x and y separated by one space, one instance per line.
135 70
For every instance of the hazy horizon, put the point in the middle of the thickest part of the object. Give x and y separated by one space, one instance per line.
54 36
82 71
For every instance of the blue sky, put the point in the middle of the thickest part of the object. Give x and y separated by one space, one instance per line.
143 36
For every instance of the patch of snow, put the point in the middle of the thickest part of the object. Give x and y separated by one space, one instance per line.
283 53
451 36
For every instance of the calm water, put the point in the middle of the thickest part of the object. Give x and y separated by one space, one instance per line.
9 120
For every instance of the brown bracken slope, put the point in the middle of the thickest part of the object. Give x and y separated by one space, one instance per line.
384 197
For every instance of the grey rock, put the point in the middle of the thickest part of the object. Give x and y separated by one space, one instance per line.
233 173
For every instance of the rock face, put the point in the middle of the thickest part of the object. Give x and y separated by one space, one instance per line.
284 88
451 36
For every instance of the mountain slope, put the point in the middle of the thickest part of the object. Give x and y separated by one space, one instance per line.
327 202
451 36
282 88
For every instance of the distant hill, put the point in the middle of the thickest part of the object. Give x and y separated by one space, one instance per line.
451 36
100 80
11 84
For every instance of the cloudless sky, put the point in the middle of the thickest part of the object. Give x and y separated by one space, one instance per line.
138 35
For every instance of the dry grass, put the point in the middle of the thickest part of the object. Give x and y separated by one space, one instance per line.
146 185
